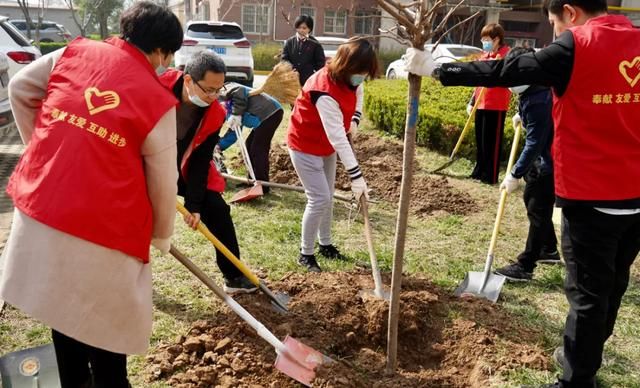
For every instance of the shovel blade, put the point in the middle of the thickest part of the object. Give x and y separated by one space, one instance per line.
300 361
248 194
472 286
378 294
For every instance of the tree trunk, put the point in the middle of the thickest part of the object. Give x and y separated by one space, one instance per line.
104 26
403 215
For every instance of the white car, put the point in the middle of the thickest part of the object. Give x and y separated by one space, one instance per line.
223 38
330 45
444 53
5 108
16 47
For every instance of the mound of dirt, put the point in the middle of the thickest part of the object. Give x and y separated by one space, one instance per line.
326 313
381 163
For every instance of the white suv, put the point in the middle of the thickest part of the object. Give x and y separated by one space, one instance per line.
223 38
16 47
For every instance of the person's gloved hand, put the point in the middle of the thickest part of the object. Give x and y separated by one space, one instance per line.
353 129
234 121
469 109
510 183
516 120
161 244
359 188
419 62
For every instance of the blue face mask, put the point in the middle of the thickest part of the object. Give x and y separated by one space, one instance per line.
487 45
357 79
160 69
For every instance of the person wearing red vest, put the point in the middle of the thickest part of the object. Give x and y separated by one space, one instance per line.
95 185
596 156
328 107
491 111
199 119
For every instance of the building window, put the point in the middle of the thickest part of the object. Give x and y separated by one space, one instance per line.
335 22
309 11
255 18
365 22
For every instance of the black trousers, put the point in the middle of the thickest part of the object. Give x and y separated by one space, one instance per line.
599 250
216 215
489 126
81 365
259 144
538 198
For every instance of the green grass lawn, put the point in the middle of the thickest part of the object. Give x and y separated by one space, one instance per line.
441 247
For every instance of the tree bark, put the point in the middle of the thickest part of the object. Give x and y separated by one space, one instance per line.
403 215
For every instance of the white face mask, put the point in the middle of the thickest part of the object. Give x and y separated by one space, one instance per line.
196 100
519 89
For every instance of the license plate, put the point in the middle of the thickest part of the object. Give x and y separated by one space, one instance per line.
218 50
4 79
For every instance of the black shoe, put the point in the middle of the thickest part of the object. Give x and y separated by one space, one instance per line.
550 258
309 261
558 357
331 252
239 285
515 272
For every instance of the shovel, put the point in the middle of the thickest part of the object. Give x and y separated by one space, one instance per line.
280 301
378 291
463 134
294 359
252 192
486 284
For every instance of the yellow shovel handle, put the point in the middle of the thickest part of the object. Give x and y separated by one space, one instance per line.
467 125
220 246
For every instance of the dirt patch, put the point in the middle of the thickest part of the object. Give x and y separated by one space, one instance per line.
436 347
381 163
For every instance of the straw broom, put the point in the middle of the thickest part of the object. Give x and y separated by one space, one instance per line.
282 83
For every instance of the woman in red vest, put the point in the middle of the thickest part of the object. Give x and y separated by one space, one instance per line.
95 185
491 111
327 109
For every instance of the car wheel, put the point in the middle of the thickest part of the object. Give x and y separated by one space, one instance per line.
392 74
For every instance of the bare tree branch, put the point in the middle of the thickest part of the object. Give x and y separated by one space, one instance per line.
402 19
445 19
455 25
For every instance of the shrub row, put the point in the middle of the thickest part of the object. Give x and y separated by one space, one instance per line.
266 55
47 47
441 118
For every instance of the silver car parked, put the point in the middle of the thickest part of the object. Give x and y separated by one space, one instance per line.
49 31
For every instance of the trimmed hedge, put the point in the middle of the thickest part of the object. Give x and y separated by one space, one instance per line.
47 47
441 116
266 55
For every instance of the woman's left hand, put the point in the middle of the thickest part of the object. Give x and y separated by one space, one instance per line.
192 220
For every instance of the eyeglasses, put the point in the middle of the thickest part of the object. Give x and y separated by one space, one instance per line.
211 93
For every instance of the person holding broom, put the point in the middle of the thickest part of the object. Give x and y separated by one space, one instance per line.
596 155
327 109
199 118
94 187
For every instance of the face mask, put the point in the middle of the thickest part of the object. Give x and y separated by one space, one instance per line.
197 101
357 79
302 36
519 89
487 45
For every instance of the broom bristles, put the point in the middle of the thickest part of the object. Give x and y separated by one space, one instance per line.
282 83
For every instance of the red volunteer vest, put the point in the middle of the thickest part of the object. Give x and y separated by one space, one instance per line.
494 98
82 172
596 148
306 133
210 124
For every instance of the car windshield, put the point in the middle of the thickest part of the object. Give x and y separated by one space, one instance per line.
208 31
460 52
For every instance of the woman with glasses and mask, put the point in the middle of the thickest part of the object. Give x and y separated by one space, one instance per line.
326 111
94 187
491 111
199 117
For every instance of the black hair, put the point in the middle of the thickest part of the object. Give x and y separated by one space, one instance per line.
306 19
589 6
516 52
150 26
203 61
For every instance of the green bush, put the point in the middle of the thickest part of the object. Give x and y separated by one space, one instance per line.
441 117
266 55
388 56
47 47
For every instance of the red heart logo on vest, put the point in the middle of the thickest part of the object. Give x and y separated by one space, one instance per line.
108 100
630 71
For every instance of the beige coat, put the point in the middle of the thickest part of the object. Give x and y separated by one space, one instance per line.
94 294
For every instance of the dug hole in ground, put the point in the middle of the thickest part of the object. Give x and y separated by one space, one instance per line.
443 341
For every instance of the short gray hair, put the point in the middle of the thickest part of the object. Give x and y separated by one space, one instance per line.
203 61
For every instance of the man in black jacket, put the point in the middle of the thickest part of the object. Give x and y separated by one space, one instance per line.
199 117
303 51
